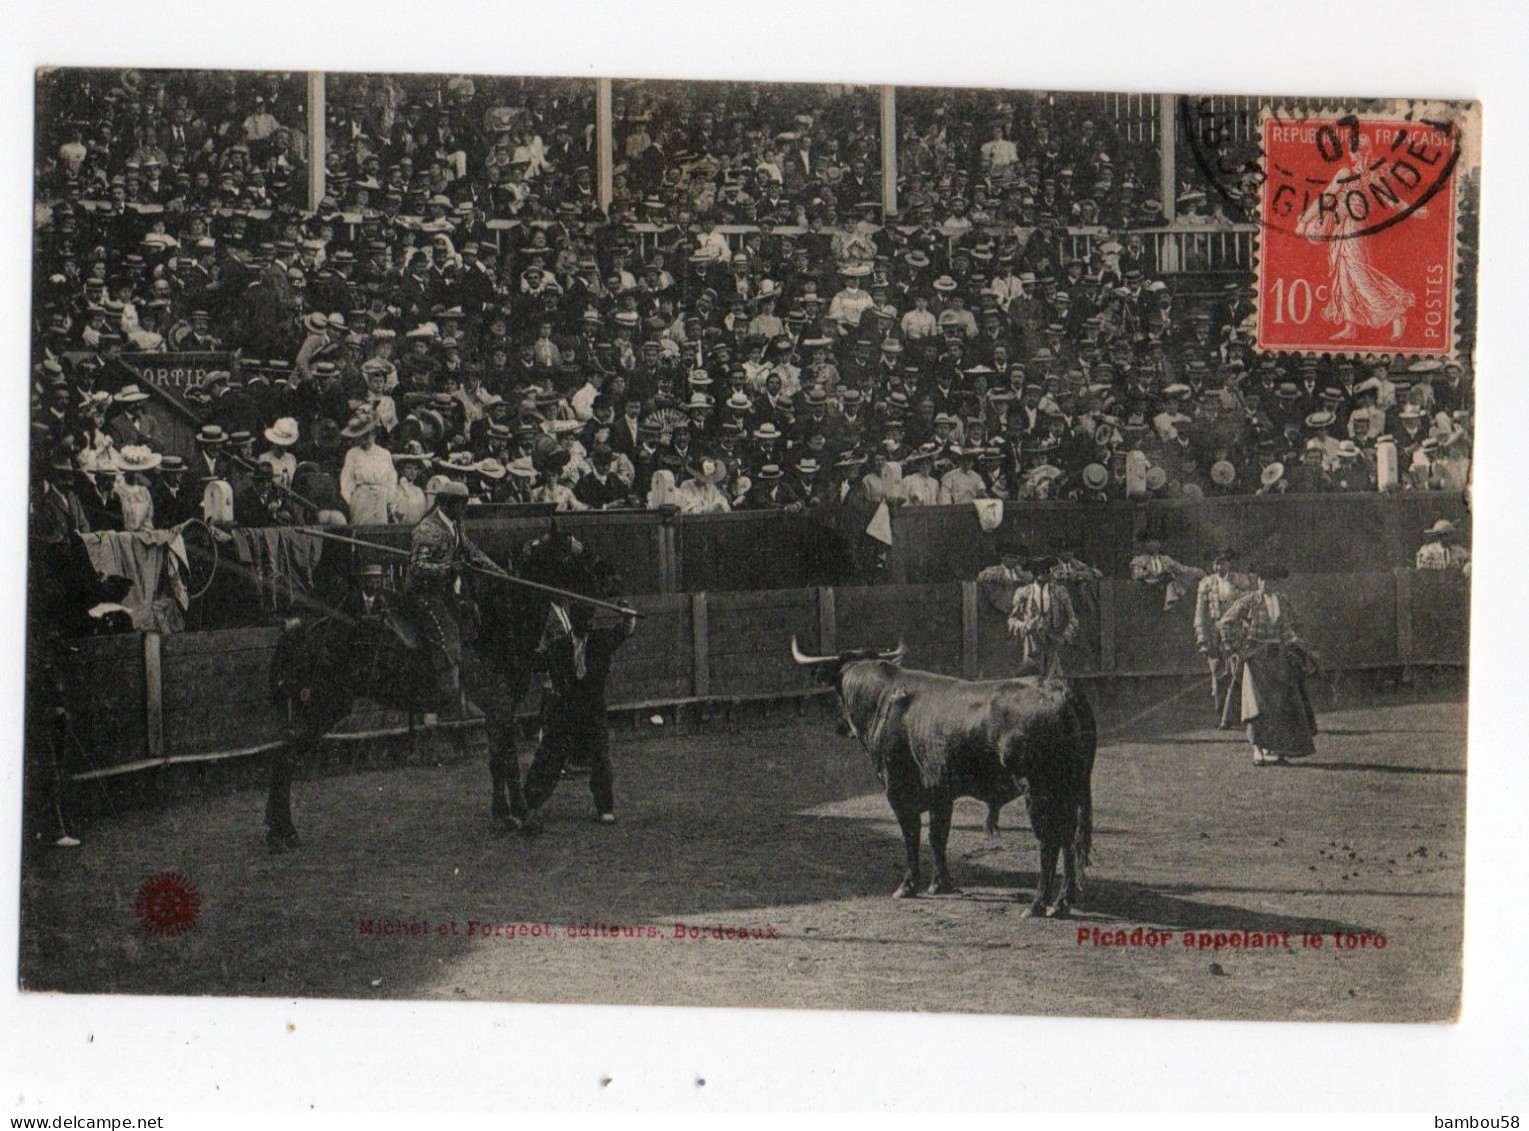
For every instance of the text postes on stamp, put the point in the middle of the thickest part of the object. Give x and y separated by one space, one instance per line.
1357 240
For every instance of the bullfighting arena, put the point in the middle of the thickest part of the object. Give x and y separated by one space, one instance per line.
773 825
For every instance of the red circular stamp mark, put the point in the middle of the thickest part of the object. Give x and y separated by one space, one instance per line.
168 904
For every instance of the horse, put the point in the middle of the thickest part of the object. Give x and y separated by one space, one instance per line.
321 667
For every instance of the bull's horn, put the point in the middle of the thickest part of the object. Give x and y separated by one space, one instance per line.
802 658
896 654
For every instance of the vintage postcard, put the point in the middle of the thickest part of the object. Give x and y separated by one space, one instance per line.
749 544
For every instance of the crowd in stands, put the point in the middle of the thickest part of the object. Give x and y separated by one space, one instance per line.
460 306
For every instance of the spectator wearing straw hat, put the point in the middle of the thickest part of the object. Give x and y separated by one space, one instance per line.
701 491
1368 418
919 487
408 503
1440 551
1319 424
281 435
520 480
132 464
316 346
369 598
961 484
803 488
1271 481
129 425
258 501
766 491
211 440
174 502
1093 485
492 477
368 476
1351 471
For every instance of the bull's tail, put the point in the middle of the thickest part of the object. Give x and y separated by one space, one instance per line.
1083 844
1085 747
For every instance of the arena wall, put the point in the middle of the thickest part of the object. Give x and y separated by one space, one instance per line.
145 700
1328 533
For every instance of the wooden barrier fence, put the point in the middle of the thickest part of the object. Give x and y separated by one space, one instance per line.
752 551
144 700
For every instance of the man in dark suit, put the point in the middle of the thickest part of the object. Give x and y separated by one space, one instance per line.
626 431
600 489
1310 388
102 510
369 598
58 505
174 501
579 650
129 426
473 288
803 489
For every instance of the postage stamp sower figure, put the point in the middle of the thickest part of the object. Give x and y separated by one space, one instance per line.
1358 240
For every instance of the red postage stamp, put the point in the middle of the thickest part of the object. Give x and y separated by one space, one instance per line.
1357 248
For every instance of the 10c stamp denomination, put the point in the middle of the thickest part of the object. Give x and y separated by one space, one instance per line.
1357 239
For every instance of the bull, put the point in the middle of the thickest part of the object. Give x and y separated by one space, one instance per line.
933 739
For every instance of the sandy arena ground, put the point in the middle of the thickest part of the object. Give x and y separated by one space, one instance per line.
780 828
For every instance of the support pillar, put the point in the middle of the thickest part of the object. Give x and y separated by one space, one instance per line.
317 120
1167 145
889 151
605 165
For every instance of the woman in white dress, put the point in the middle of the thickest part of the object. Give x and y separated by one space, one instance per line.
409 504
368 477
700 494
131 490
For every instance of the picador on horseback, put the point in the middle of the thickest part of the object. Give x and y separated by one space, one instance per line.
438 551
466 630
